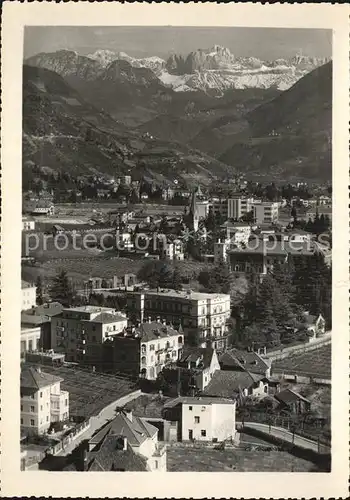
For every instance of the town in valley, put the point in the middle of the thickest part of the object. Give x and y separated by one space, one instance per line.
176 259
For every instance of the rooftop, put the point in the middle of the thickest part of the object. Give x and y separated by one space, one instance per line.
290 396
25 284
154 330
185 294
244 360
111 456
34 378
229 384
200 400
194 354
135 429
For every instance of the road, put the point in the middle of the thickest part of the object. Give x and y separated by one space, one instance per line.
286 436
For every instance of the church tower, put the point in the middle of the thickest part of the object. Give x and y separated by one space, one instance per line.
193 217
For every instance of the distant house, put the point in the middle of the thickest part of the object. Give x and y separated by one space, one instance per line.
202 362
28 224
293 401
28 295
40 207
126 443
316 325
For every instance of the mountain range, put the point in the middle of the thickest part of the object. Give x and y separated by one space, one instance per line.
185 118
213 70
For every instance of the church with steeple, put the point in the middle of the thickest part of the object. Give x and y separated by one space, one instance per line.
191 219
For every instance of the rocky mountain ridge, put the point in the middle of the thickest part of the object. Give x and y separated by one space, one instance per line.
213 70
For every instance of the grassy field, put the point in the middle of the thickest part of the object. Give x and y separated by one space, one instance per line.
186 459
315 363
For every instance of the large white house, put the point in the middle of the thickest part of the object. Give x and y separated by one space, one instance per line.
204 418
42 401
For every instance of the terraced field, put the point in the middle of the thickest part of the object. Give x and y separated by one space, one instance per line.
316 363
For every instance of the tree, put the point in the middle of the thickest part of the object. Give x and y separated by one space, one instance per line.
156 274
216 280
39 291
61 289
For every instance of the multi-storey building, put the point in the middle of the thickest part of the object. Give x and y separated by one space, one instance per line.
203 418
79 330
42 401
237 206
266 212
143 351
203 314
28 295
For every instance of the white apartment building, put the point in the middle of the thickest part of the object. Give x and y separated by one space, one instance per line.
28 295
78 330
42 401
266 212
30 339
206 313
206 418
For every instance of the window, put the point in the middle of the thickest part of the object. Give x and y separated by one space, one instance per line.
41 407
94 338
21 421
32 423
190 408
203 433
41 394
21 407
203 408
197 420
32 409
47 418
151 347
66 402
156 464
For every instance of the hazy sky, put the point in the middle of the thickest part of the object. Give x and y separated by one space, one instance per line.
264 43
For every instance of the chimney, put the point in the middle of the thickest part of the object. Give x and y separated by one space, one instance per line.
158 319
164 322
38 369
129 415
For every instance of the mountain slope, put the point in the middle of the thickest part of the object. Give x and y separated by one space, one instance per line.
64 132
290 135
